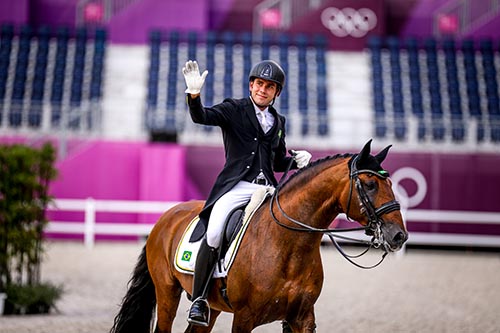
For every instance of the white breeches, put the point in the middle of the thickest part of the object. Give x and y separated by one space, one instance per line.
237 196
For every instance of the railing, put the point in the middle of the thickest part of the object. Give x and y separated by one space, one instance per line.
90 228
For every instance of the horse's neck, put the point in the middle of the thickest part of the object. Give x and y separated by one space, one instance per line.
317 202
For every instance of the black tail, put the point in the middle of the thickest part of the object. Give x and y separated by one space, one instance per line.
138 304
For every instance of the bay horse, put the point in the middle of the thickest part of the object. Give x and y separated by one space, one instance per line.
277 273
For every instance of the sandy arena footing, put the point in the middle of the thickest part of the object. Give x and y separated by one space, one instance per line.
420 291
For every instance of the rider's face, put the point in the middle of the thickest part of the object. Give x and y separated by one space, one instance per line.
263 92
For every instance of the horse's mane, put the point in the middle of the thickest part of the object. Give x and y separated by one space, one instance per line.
314 164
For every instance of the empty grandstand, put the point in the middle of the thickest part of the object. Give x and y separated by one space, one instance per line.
50 80
102 80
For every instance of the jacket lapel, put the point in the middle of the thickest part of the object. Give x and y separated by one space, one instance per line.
277 119
250 111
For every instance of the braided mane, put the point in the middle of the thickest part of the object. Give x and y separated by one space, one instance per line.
313 165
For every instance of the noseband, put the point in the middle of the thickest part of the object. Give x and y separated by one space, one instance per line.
374 214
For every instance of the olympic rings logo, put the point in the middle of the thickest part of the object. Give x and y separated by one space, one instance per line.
406 200
348 21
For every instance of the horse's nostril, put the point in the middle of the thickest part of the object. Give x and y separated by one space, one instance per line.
399 238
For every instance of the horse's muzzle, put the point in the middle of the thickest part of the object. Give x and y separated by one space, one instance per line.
394 236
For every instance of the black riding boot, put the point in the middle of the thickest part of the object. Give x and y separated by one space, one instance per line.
199 311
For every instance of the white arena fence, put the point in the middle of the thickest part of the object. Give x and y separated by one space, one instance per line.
89 228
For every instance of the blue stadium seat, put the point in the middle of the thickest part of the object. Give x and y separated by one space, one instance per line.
455 105
100 35
246 41
438 128
154 68
284 41
57 89
301 41
471 79
192 41
492 94
172 77
265 46
320 43
228 40
78 71
393 44
38 84
6 36
374 44
98 58
211 40
20 76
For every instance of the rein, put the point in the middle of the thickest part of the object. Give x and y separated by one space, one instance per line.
374 216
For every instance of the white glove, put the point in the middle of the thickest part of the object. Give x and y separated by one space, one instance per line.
194 81
301 157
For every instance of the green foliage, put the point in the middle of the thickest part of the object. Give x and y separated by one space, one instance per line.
25 174
39 298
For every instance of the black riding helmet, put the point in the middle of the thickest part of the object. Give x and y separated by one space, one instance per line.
268 70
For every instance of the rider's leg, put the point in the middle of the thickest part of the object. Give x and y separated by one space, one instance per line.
204 268
237 196
207 255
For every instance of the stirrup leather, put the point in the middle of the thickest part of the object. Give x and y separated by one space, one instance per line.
196 321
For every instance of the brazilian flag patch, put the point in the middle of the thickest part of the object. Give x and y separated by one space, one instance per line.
186 256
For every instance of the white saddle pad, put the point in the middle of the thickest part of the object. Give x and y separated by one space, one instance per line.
185 255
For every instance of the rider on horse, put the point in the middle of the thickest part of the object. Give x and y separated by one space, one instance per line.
254 142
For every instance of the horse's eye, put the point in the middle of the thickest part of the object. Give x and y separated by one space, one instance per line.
371 185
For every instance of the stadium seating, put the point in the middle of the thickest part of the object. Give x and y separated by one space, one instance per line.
491 84
6 36
443 89
304 96
52 74
375 45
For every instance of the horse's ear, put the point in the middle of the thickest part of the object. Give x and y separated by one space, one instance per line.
382 155
365 152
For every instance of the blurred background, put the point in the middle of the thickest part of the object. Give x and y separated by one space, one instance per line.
101 80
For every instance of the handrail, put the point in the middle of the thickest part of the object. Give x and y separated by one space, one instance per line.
89 227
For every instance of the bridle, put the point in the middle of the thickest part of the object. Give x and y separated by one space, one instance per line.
374 214
374 226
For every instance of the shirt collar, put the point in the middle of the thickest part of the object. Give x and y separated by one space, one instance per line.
257 109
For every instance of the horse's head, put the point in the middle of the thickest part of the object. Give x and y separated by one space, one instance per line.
370 189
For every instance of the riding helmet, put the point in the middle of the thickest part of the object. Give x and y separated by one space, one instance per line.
268 70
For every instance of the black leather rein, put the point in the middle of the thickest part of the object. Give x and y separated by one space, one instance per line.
373 214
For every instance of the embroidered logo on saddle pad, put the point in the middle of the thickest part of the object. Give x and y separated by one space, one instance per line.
185 255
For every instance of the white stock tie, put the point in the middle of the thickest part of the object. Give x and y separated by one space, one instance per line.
262 119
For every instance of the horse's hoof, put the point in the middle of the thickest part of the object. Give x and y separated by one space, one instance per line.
286 327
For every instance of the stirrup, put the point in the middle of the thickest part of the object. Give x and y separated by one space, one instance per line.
195 321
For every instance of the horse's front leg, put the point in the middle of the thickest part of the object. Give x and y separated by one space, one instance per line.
305 324
243 322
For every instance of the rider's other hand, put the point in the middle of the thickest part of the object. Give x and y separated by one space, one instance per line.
301 157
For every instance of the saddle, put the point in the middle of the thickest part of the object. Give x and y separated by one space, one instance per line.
234 229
